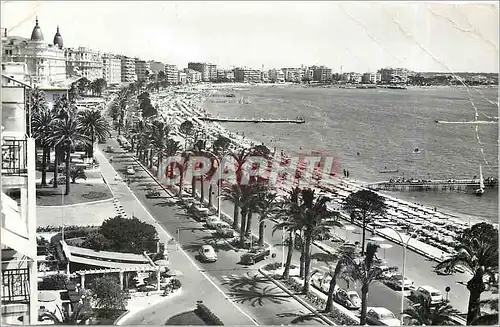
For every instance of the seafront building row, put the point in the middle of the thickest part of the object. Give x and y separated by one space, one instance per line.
52 63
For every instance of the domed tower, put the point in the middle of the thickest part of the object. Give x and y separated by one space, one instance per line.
58 40
37 35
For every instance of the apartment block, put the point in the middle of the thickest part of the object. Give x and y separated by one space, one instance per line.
112 69
193 76
172 74
128 70
84 62
293 74
394 75
208 71
372 78
276 76
141 69
247 75
321 74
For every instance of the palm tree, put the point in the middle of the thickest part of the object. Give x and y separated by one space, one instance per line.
186 128
366 271
289 220
79 316
233 193
250 194
198 150
219 148
172 147
159 135
268 205
491 316
317 224
93 124
66 135
477 252
42 125
424 313
369 204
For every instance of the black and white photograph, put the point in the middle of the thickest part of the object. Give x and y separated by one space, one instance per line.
249 163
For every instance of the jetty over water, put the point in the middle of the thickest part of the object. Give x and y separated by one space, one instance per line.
254 120
433 185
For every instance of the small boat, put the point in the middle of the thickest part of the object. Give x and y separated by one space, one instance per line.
416 150
389 171
480 190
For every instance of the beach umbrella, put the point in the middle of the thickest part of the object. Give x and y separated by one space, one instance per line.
385 247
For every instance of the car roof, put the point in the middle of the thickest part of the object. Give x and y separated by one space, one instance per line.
429 289
380 310
207 247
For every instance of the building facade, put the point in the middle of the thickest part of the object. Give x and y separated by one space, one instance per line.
112 69
156 66
225 76
208 71
182 78
84 62
394 75
321 74
172 74
128 74
276 76
19 293
46 63
247 75
193 76
371 78
141 69
293 75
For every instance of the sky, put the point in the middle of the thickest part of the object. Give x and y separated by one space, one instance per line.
345 36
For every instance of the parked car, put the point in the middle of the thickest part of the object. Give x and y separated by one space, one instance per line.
110 149
224 229
322 282
428 292
348 299
381 316
211 221
255 255
396 282
130 170
207 253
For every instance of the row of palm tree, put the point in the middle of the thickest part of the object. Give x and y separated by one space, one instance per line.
63 128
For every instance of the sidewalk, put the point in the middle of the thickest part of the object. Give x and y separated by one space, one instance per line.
195 284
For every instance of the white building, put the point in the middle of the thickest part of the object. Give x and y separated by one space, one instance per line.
128 69
19 293
172 74
84 62
372 78
112 69
276 76
46 63
193 76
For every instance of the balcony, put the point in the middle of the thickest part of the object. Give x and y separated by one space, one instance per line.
14 157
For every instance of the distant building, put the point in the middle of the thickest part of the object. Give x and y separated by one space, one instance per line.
293 74
225 76
321 74
182 78
394 75
112 69
352 77
16 70
276 76
141 69
156 66
247 75
371 78
264 76
46 63
84 62
172 74
128 69
208 71
193 76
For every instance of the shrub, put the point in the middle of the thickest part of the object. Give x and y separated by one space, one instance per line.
96 241
207 316
272 266
129 235
53 282
174 284
108 295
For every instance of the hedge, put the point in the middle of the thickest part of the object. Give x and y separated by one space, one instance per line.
53 282
207 316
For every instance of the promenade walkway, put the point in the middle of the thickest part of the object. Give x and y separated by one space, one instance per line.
195 286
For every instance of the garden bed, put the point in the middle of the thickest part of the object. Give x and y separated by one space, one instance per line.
80 192
189 318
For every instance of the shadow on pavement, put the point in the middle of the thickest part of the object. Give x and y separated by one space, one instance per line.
259 296
301 318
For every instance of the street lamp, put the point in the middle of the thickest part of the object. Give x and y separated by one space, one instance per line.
404 245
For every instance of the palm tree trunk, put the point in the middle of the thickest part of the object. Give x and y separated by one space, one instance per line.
181 182
193 187
56 164
364 235
68 159
151 158
235 215
364 293
288 263
331 288
202 189
302 255
248 228
475 286
92 146
307 265
44 166
210 191
242 229
262 224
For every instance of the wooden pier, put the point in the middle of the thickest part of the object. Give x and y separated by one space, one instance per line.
254 120
458 185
